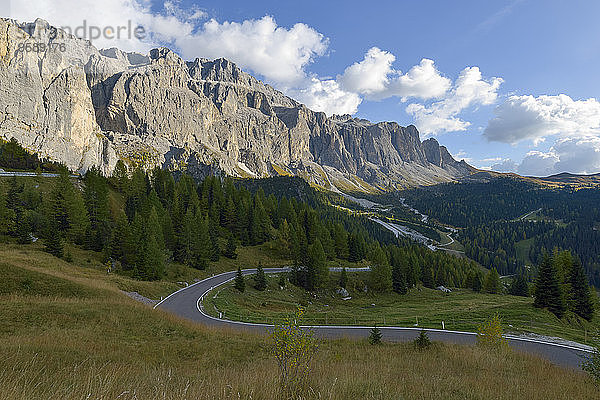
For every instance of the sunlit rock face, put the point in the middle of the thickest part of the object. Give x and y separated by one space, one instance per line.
84 107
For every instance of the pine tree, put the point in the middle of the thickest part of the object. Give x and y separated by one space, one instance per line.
5 215
375 336
343 278
231 247
240 282
519 286
399 280
316 268
380 275
548 288
260 280
477 283
202 245
282 280
53 242
581 297
492 282
428 278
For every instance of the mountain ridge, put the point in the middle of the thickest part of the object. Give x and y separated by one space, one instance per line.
88 107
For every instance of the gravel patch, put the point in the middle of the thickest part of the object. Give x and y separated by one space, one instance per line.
138 297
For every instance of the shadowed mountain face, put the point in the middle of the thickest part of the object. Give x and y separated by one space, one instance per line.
83 106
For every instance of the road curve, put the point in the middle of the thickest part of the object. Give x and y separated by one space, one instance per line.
187 303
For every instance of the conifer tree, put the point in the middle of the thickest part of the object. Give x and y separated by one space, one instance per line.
202 247
316 268
231 247
548 289
492 282
282 280
5 217
519 286
380 275
375 335
428 278
240 282
53 242
260 280
399 280
581 297
477 283
343 278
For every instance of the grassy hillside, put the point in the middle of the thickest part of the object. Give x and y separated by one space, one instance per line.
462 309
68 333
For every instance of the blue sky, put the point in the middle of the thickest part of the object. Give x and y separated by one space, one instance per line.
511 85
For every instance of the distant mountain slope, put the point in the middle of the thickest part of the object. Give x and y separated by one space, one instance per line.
83 106
559 180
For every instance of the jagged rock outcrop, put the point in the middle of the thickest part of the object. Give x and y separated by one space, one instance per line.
88 107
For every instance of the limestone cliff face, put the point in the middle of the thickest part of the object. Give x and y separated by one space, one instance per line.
88 107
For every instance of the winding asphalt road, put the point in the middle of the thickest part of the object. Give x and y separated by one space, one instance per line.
187 303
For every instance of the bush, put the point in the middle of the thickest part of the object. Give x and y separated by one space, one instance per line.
375 335
422 341
294 349
489 334
592 363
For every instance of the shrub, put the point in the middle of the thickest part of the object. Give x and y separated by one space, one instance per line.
489 334
294 349
591 365
422 341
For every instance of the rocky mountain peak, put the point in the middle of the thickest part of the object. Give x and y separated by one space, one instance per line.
91 107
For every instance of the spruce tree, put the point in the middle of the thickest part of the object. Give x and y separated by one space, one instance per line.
399 280
53 242
282 280
240 282
477 283
231 247
380 275
548 289
260 280
5 215
375 335
316 268
343 278
519 286
492 282
581 297
428 278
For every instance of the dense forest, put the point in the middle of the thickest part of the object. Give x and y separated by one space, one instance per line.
493 244
145 222
490 215
13 156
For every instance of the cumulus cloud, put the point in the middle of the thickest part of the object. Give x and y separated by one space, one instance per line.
504 165
532 118
375 78
327 96
277 53
470 89
573 155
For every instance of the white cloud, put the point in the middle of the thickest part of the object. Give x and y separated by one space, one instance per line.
537 163
470 89
370 75
277 53
574 155
506 165
375 78
522 118
327 96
